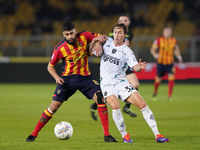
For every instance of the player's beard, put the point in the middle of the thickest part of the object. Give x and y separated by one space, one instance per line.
72 41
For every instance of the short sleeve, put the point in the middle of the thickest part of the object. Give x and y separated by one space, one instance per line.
176 44
130 58
56 56
156 43
90 35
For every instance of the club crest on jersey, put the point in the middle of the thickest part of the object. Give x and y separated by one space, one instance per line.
105 93
58 91
114 51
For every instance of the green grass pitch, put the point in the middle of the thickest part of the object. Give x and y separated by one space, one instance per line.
22 104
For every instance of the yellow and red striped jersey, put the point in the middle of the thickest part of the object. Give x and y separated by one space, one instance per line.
166 49
74 57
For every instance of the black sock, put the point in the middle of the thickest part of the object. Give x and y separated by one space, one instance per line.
127 105
94 106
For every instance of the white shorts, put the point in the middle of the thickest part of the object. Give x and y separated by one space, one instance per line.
121 90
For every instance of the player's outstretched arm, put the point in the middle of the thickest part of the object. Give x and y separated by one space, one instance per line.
178 54
154 53
141 65
96 45
52 71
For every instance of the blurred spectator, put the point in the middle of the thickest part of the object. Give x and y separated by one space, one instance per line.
7 7
173 16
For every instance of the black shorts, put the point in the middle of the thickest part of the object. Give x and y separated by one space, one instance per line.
129 71
86 84
162 69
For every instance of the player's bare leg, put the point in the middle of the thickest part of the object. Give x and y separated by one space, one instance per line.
157 82
171 81
133 80
103 114
136 99
45 117
118 118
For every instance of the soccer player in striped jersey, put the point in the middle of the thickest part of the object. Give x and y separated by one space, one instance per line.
167 47
73 52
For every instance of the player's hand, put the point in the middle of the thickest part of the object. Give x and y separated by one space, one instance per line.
60 81
97 49
156 56
143 65
101 38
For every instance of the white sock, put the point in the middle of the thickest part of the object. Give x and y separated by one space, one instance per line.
149 118
119 121
50 111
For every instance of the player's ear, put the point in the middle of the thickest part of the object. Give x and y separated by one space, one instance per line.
76 31
125 35
63 33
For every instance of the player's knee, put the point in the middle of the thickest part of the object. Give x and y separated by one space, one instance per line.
171 78
137 84
115 105
142 104
158 79
99 98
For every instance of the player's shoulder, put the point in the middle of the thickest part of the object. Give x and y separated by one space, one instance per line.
130 32
126 47
108 42
85 33
160 37
62 43
173 38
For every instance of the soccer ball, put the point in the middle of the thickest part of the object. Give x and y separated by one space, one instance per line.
63 130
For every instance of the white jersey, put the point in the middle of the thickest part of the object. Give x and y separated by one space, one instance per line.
115 62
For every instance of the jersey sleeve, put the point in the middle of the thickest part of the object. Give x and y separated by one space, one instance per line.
130 58
176 44
90 35
56 56
156 43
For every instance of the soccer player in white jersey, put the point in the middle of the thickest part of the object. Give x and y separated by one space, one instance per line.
115 60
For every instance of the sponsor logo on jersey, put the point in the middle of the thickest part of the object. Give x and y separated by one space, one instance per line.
114 51
108 45
111 59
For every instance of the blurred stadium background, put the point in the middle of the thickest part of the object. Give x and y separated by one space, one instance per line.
29 30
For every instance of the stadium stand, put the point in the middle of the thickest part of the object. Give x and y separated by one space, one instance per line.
148 17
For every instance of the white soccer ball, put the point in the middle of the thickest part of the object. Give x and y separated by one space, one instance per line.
63 130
